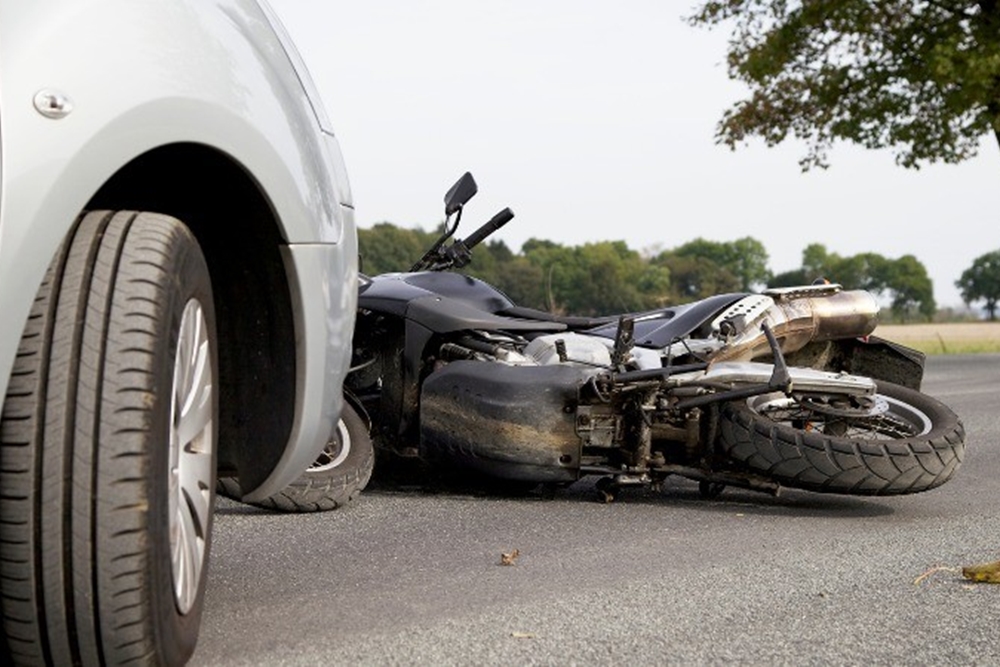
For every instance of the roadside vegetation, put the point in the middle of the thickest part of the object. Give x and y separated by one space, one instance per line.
609 277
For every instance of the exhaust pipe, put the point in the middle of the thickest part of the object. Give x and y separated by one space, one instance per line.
801 316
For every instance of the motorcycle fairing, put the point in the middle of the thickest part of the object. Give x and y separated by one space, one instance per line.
444 315
391 292
445 302
472 291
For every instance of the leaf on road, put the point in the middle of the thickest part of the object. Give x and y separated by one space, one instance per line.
508 559
987 573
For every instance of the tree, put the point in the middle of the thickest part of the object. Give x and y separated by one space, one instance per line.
693 278
386 247
745 258
919 76
981 282
523 282
863 271
911 289
598 278
793 278
903 281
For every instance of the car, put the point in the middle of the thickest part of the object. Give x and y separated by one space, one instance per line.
178 283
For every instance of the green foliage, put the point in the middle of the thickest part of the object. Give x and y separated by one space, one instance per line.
608 277
919 76
701 267
792 278
911 289
695 278
904 281
862 271
386 248
597 278
981 282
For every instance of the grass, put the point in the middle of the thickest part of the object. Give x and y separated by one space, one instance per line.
945 338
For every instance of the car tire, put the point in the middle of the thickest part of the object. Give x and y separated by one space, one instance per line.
107 450
335 479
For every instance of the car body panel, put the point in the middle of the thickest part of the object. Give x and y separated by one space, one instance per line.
209 72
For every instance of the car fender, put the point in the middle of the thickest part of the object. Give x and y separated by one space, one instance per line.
123 96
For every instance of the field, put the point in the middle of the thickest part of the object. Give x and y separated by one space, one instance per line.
945 338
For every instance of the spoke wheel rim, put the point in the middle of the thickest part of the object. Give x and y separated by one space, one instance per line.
888 419
335 452
191 447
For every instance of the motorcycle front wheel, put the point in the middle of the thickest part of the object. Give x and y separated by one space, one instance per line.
335 478
908 443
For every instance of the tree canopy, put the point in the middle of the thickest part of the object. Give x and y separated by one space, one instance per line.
608 277
981 282
701 268
921 77
903 281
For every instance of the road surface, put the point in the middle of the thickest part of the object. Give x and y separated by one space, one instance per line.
413 577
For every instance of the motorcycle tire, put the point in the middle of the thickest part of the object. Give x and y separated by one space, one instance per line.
335 479
915 444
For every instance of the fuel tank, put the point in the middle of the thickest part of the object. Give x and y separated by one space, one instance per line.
393 292
443 302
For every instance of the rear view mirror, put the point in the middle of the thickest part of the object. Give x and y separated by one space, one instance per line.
460 193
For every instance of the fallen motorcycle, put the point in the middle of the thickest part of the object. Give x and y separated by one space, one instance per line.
786 388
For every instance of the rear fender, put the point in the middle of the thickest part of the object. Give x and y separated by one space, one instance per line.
871 356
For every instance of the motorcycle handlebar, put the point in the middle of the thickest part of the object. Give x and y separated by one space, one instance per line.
491 225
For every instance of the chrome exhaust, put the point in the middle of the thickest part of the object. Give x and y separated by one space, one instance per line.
799 316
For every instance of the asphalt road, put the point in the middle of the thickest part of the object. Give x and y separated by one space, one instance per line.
413 577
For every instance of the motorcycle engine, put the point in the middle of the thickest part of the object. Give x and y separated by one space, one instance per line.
569 348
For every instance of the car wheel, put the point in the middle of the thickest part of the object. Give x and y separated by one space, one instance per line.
107 450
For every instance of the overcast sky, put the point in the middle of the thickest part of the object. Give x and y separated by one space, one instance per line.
595 121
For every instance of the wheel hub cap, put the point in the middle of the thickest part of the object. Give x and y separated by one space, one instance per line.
191 445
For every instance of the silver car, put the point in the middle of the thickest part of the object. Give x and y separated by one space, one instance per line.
177 293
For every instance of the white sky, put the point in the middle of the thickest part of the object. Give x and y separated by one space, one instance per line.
595 121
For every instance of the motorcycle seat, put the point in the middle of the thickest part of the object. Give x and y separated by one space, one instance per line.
572 322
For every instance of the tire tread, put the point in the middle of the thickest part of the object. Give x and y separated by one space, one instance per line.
321 492
68 514
830 464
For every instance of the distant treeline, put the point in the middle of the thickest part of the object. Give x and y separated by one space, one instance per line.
608 277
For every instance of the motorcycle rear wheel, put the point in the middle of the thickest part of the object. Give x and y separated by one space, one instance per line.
916 443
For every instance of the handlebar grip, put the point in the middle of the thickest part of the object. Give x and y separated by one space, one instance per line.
493 224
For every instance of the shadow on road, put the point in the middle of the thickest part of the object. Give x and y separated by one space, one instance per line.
679 493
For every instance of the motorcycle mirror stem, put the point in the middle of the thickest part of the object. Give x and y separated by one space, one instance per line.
435 253
455 199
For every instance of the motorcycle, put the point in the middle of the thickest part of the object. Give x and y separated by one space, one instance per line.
785 388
